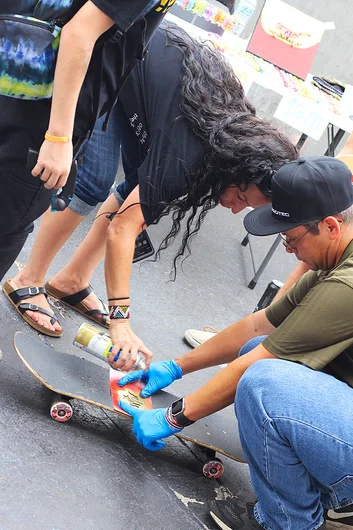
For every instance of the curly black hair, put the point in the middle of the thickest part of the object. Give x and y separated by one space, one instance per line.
242 149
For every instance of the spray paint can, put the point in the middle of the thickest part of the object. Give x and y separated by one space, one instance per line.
269 294
98 343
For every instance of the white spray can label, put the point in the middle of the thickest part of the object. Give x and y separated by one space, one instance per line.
98 343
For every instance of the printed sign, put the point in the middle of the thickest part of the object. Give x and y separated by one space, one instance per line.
243 73
303 114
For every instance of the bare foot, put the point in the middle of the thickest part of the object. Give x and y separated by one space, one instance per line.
71 287
40 300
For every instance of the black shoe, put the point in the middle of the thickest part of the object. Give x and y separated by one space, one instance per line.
341 516
232 514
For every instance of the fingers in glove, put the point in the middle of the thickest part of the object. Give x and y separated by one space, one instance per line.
132 411
133 376
154 446
148 390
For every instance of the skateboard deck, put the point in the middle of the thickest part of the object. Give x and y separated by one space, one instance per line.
74 377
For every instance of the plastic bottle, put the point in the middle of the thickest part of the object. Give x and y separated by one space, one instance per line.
242 13
269 294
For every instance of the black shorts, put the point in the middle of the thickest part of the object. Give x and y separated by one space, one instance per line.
22 196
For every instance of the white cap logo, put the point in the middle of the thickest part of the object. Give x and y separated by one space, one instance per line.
282 214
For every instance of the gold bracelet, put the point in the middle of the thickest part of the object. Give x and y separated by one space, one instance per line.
57 139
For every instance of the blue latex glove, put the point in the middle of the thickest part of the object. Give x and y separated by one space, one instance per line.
158 376
149 426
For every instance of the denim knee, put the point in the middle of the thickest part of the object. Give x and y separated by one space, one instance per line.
251 344
279 401
100 164
266 377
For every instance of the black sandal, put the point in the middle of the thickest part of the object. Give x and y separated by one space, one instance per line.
15 296
99 316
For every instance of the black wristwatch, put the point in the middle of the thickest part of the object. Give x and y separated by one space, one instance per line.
177 410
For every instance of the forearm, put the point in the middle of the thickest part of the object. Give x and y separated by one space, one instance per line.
120 246
299 270
73 59
77 41
224 346
220 391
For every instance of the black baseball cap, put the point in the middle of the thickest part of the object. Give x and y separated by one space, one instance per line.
307 189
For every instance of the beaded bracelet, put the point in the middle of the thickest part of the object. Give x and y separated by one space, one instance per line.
119 311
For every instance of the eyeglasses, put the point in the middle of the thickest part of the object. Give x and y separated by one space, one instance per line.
292 242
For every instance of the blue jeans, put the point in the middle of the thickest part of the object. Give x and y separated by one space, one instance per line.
295 427
99 167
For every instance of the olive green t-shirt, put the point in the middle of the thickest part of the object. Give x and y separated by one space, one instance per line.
314 321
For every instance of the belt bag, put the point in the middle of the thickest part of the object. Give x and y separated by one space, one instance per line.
28 52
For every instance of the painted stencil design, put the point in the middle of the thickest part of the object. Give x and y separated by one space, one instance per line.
129 393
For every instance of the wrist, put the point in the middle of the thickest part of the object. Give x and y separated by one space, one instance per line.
181 364
178 372
60 131
171 421
122 322
57 138
116 300
176 416
119 312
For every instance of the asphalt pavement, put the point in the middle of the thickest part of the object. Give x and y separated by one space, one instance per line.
90 473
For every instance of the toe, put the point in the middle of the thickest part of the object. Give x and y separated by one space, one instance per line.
34 316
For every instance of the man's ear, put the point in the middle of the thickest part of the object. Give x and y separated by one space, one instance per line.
229 4
333 225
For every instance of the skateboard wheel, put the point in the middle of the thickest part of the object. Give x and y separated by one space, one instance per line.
213 468
61 411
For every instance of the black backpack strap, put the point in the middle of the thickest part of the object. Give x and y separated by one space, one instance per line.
97 81
65 17
134 52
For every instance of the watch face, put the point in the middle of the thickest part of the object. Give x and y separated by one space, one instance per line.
177 406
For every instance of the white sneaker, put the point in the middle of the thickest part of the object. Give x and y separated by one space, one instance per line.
195 337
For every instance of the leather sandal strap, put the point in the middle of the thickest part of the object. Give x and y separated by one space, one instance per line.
103 312
76 298
32 307
26 292
92 312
